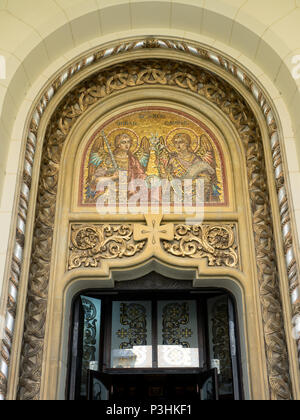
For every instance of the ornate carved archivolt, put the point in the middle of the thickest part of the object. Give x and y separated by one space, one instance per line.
219 92
205 84
90 243
216 243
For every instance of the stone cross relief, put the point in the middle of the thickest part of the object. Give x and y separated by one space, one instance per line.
154 231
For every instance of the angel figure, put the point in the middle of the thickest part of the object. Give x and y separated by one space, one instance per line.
103 164
188 164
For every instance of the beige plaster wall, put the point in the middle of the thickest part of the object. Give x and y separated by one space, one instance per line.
37 38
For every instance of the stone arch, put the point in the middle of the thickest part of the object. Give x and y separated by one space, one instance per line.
62 26
179 277
215 89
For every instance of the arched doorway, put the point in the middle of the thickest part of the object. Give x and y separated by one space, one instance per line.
154 338
222 133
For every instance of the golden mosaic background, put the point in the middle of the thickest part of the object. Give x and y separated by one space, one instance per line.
159 125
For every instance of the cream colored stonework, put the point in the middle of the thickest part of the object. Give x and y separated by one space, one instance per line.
39 38
61 282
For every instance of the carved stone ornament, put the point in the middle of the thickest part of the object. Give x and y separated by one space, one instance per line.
217 243
95 89
92 242
154 231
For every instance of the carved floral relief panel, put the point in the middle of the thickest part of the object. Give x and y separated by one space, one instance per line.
217 243
91 243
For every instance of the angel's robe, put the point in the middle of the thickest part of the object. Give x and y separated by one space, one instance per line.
135 169
195 168
180 167
105 168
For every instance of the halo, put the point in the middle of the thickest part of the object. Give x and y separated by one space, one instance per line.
116 131
193 135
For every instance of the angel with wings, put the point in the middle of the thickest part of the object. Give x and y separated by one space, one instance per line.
201 163
103 164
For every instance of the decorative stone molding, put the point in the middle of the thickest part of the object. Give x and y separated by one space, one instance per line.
213 88
234 112
217 243
154 231
90 243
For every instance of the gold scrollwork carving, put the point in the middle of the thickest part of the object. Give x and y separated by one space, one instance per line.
91 242
213 88
217 243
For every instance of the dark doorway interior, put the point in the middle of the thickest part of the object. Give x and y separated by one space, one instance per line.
155 386
154 338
